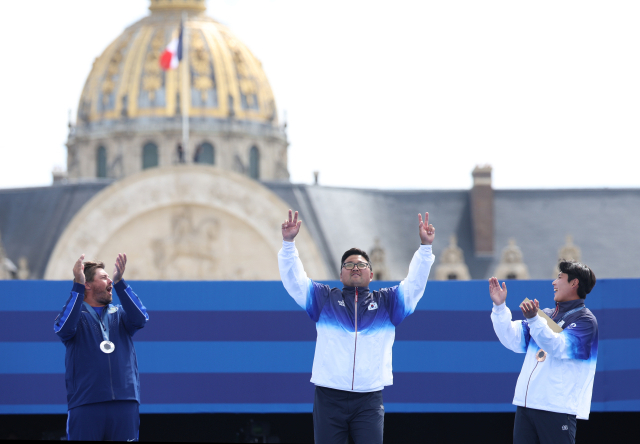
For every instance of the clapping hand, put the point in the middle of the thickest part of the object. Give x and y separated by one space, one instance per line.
498 295
530 309
118 270
78 271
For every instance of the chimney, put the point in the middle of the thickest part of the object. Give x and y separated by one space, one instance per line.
482 211
59 175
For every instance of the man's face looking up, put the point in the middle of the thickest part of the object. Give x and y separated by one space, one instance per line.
356 277
101 287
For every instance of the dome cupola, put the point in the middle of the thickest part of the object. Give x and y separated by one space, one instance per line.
128 100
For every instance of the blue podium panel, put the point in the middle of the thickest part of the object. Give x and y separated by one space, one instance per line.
241 347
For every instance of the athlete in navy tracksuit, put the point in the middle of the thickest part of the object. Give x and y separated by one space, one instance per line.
103 384
556 380
356 329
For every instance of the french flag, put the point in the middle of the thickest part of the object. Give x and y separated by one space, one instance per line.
172 54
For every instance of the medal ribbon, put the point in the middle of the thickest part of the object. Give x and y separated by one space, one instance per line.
104 327
568 313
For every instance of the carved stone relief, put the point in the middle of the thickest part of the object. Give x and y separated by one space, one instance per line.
376 255
512 265
452 265
184 222
569 251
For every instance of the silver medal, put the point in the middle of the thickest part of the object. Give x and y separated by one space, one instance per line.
107 346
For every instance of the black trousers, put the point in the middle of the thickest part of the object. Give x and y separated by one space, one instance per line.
541 427
338 414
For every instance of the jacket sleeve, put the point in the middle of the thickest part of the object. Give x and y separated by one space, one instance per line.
512 334
574 342
66 322
308 295
136 315
403 299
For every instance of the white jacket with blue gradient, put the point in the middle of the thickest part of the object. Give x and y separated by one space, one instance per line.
563 382
346 357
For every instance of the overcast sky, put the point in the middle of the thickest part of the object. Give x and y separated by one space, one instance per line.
378 94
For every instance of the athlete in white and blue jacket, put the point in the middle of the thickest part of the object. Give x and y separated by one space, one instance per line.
356 330
556 380
103 384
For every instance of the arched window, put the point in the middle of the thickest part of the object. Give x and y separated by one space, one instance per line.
101 162
149 156
205 154
254 163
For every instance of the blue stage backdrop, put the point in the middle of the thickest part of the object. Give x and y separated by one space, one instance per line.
247 347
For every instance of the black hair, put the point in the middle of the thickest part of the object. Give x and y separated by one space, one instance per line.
577 270
357 252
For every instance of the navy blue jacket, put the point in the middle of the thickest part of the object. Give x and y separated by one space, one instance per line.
91 375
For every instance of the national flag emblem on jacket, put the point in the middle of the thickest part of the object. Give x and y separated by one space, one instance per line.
172 54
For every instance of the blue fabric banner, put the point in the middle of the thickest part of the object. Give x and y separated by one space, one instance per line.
242 347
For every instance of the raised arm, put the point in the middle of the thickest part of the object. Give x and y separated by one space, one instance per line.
136 315
412 287
512 334
66 322
292 273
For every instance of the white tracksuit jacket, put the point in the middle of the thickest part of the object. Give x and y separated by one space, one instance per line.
563 382
353 348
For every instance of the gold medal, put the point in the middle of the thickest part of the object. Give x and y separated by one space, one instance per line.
541 355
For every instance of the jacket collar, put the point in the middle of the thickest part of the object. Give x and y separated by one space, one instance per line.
351 290
563 307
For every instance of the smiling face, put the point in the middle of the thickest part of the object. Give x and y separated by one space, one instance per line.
98 291
356 277
565 290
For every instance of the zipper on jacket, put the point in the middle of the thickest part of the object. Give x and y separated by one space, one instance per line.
113 395
355 346
527 392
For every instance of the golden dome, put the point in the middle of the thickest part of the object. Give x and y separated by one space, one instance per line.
225 79
196 5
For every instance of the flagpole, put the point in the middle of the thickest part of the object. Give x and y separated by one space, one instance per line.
184 85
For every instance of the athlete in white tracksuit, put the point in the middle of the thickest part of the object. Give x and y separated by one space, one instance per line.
556 380
356 330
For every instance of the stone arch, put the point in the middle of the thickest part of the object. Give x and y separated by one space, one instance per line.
188 222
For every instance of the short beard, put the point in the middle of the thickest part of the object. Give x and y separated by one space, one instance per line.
104 299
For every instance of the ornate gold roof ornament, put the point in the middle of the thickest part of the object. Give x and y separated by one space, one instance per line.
569 251
200 60
163 5
512 265
152 79
452 266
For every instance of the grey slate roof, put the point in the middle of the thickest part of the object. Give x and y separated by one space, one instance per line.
32 219
601 221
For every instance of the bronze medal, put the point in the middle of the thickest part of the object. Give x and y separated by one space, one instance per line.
541 355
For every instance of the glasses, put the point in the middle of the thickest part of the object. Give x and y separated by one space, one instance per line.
351 265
